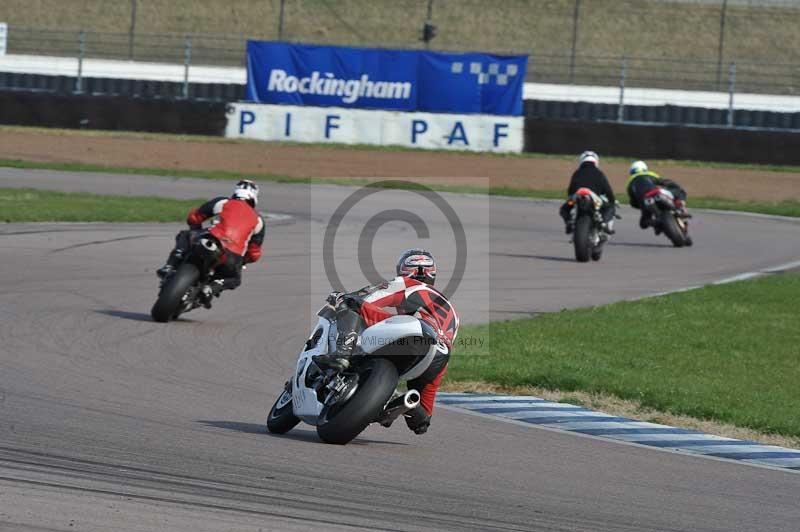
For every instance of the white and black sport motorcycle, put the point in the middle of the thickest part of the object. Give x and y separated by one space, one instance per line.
341 404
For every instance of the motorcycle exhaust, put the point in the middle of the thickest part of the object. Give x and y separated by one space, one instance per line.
399 406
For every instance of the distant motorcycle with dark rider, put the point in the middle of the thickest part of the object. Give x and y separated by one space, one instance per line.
590 209
590 231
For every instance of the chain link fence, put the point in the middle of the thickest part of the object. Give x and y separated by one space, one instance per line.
671 44
760 77
223 50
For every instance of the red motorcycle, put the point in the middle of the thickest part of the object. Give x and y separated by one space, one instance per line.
668 215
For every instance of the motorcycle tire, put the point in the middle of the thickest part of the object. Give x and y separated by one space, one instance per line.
168 304
670 227
583 225
687 240
378 383
281 420
597 253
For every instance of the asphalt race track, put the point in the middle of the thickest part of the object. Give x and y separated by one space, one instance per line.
109 421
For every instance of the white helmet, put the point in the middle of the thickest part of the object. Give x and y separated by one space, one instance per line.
637 167
589 157
246 190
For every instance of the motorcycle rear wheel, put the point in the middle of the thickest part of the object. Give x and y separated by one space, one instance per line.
670 227
341 424
583 225
168 304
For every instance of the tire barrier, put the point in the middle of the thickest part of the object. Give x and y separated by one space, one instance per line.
121 113
662 142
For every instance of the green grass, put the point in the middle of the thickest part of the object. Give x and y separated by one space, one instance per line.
228 176
781 208
784 208
29 205
727 353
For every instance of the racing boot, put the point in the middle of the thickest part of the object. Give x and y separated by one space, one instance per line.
567 215
340 360
174 259
165 271
608 227
644 220
206 295
217 286
418 420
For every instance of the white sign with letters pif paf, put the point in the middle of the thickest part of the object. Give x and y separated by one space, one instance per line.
385 128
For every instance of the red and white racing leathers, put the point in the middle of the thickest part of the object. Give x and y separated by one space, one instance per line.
409 296
238 227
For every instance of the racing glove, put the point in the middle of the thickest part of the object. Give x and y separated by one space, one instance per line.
352 301
334 298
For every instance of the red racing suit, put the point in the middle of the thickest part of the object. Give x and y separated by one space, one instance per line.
409 296
238 226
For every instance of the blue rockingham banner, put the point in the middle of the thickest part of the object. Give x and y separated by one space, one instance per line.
400 80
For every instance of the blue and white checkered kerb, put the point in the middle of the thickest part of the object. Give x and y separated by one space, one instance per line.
492 72
571 418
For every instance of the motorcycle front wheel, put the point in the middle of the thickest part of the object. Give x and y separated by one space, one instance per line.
281 418
339 424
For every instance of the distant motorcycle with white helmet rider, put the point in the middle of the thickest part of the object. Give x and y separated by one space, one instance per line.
207 261
662 203
590 209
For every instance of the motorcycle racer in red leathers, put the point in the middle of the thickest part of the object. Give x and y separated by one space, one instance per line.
239 228
410 293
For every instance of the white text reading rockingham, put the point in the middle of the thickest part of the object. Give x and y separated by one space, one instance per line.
349 89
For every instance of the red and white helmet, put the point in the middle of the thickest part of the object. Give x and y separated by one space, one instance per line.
417 264
246 190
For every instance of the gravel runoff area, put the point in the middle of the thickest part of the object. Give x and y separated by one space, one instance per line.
209 154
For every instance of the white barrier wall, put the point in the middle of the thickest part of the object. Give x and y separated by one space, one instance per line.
384 128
